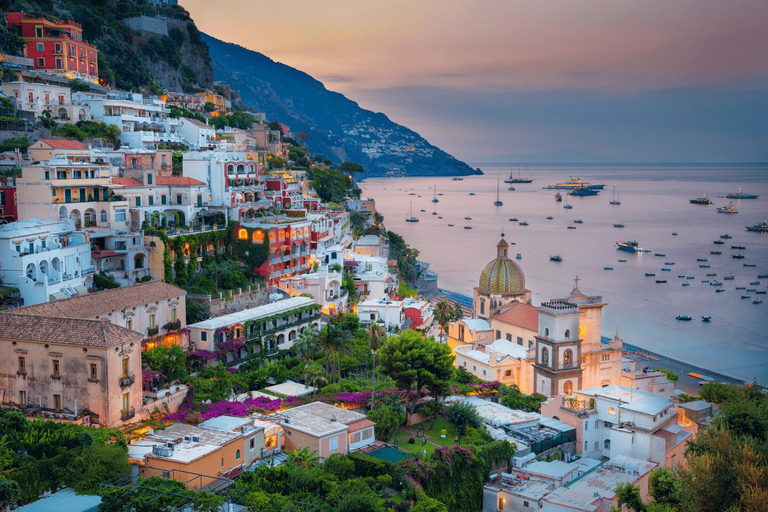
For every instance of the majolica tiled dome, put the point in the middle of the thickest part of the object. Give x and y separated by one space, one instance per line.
502 275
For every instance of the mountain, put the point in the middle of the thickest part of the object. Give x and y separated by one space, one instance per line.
337 127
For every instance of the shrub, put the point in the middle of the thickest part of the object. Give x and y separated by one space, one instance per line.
365 465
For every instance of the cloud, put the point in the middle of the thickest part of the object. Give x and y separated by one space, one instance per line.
345 79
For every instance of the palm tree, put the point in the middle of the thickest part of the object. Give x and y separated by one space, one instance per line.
306 345
339 342
374 331
314 374
444 313
304 457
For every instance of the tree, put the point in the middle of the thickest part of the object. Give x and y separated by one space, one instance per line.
10 492
628 494
374 335
209 106
350 167
307 344
157 494
664 486
171 361
463 415
197 311
303 457
314 375
444 314
415 362
388 420
431 409
512 397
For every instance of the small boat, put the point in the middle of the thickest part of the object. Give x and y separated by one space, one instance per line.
726 236
614 197
685 318
670 263
666 270
704 266
434 213
518 256
583 192
757 301
741 195
519 178
729 278
752 290
661 280
456 178
701 200
578 221
691 277
558 197
719 290
511 188
705 281
523 223
513 219
467 227
706 318
739 247
760 292
450 225
607 268
681 277
622 261
746 296
650 274
716 283
566 205
737 256
549 218
762 276
715 252
718 242
712 274
727 209
686 284
440 194
412 194
701 259
750 265
410 217
439 216
659 254
423 211
467 218
760 228
632 246
674 233
556 257
755 283
618 225
741 287
472 193
571 227
434 196
498 201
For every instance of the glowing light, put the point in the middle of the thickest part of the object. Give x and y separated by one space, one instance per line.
242 234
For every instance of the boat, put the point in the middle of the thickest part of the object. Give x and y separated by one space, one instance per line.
741 195
669 263
566 205
686 284
729 278
514 219
711 274
410 217
659 254
719 290
607 268
497 202
472 193
440 194
705 280
614 197
571 227
519 178
584 191
716 283
450 225
681 277
674 233
650 274
439 216
412 194
423 211
518 256
746 296
632 246
737 256
727 209
755 283
739 247
549 218
704 266
762 276
715 252
467 218
523 223
574 183
690 277
701 259
726 236
757 301
467 227
456 178
511 188
706 318
685 318
750 265
434 196
752 290
760 292
558 197
701 200
618 225
622 261
578 221
760 228
434 213
661 280
556 257
666 270
741 287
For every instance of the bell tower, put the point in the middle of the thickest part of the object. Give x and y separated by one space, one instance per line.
558 349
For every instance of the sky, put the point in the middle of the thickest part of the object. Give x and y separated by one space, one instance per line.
488 80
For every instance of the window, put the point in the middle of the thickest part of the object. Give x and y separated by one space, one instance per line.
120 215
152 321
606 357
461 333
178 199
568 387
607 444
567 333
482 306
173 315
163 199
41 62
56 402
149 179
586 446
40 47
38 32
253 444
612 411
500 506
586 425
56 368
22 398
568 358
129 324
333 444
203 336
596 445
498 334
519 341
47 175
508 373
237 455
103 216
22 365
509 337
125 368
526 504
545 357
94 372
138 201
546 332
58 63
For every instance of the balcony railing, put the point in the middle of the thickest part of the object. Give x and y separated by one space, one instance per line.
128 414
152 331
127 380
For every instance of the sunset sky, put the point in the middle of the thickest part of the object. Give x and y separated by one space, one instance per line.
650 80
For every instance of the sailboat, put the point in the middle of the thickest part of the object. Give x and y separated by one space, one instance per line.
410 217
615 196
497 202
519 178
566 205
434 198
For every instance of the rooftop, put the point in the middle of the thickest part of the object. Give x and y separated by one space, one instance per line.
369 240
631 399
186 451
318 418
126 182
63 144
476 324
649 405
554 469
290 388
520 314
65 499
64 331
500 346
228 423
256 313
94 305
22 228
178 180
530 489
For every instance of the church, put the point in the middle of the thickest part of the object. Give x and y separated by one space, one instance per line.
551 349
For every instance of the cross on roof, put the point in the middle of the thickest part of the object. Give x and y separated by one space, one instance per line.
576 283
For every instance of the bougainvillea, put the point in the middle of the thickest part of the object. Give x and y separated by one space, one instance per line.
148 379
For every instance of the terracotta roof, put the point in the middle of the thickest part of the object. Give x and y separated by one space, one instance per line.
197 123
64 331
64 143
101 303
126 182
177 180
522 315
360 424
105 254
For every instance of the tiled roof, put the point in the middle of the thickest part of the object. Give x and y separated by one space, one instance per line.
522 315
177 180
104 254
64 144
101 303
64 331
126 182
197 123
360 424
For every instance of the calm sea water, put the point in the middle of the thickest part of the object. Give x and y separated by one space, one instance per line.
654 203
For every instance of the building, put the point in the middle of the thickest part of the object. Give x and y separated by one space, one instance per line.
8 212
636 375
502 361
615 420
40 97
388 313
419 313
64 366
267 328
324 286
197 134
373 281
45 260
164 200
155 310
373 245
558 366
56 46
325 429
288 238
501 283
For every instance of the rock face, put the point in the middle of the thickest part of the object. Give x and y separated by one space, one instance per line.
337 127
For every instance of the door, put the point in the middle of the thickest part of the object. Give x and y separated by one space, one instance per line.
126 404
67 195
82 195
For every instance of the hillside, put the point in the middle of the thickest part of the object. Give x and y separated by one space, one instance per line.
337 127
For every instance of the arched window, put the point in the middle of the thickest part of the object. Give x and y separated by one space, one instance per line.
103 216
240 169
258 237
567 333
586 446
237 455
545 356
607 444
242 234
568 387
230 169
568 358
482 306
612 411
546 332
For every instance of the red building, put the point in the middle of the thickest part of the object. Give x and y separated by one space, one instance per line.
56 46
8 211
289 251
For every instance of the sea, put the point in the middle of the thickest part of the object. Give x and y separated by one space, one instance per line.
654 205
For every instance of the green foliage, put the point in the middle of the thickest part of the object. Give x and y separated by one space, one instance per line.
388 420
365 465
415 363
671 376
331 185
463 415
158 494
339 466
405 290
103 281
79 86
404 255
664 486
197 311
209 107
12 143
628 494
10 42
510 396
177 112
170 361
350 167
89 130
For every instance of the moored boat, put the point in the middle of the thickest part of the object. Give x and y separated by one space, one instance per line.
741 195
618 225
410 217
760 228
701 200
727 209
706 318
629 246
584 191
556 257
685 318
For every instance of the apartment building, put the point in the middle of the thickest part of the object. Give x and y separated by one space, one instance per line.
45 260
65 366
39 97
289 244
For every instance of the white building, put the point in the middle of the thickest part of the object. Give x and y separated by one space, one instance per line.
384 311
502 361
45 260
197 134
636 375
39 97
373 280
324 286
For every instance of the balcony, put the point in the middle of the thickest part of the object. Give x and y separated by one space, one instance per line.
127 380
153 331
128 414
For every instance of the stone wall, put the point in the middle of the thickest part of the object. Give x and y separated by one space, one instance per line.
244 299
146 24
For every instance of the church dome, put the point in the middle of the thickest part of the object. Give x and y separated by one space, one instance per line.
502 275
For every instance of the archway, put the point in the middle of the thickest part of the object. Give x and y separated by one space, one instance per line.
63 114
89 217
31 271
292 335
75 216
568 387
81 116
63 212
138 261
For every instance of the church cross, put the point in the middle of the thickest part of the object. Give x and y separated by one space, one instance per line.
576 283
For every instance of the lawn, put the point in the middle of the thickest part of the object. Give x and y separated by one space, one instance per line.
433 436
